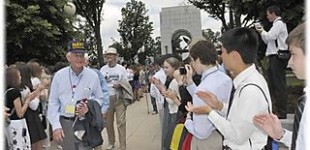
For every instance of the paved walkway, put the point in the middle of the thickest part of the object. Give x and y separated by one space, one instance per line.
143 131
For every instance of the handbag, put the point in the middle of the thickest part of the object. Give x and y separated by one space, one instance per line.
16 132
179 133
284 54
178 136
187 142
18 135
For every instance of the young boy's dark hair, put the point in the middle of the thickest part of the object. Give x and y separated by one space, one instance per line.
274 9
205 51
242 40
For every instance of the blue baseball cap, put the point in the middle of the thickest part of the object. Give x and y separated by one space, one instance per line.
76 46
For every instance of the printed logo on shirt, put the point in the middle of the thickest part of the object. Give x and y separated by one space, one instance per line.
113 77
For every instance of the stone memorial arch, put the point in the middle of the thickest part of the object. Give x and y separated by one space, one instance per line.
178 26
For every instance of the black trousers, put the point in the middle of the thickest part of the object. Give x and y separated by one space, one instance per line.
153 100
277 84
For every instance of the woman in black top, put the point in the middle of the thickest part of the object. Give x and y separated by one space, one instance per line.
17 130
35 126
13 96
185 96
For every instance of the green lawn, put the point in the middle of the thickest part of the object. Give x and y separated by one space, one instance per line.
294 85
295 90
291 79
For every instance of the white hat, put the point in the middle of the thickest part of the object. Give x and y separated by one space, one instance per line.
111 50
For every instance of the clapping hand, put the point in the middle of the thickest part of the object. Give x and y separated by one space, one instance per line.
33 95
202 109
44 85
270 124
210 99
170 94
160 86
189 107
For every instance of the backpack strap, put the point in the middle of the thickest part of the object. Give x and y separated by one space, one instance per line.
276 41
264 96
6 91
260 90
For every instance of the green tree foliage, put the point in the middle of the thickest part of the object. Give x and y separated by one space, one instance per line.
37 29
209 35
91 43
244 12
91 11
292 11
134 28
216 9
153 47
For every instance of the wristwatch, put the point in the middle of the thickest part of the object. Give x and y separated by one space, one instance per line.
181 84
283 132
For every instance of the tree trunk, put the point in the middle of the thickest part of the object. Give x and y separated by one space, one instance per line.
231 17
237 17
222 18
99 45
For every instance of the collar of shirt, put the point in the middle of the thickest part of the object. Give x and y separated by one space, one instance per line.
78 75
243 75
112 66
207 72
279 18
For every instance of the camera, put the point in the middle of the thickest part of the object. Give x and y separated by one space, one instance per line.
182 70
258 24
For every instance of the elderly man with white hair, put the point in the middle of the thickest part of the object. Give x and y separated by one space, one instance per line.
70 91
115 75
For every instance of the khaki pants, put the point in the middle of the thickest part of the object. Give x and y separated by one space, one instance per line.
118 107
214 142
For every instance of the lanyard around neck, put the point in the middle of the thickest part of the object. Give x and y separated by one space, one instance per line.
73 86
209 74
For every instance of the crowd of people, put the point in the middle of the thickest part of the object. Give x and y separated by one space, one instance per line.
223 100
32 92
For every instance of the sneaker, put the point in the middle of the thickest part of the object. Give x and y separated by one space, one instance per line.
110 147
46 146
154 112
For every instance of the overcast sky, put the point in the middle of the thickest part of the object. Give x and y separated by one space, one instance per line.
112 13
